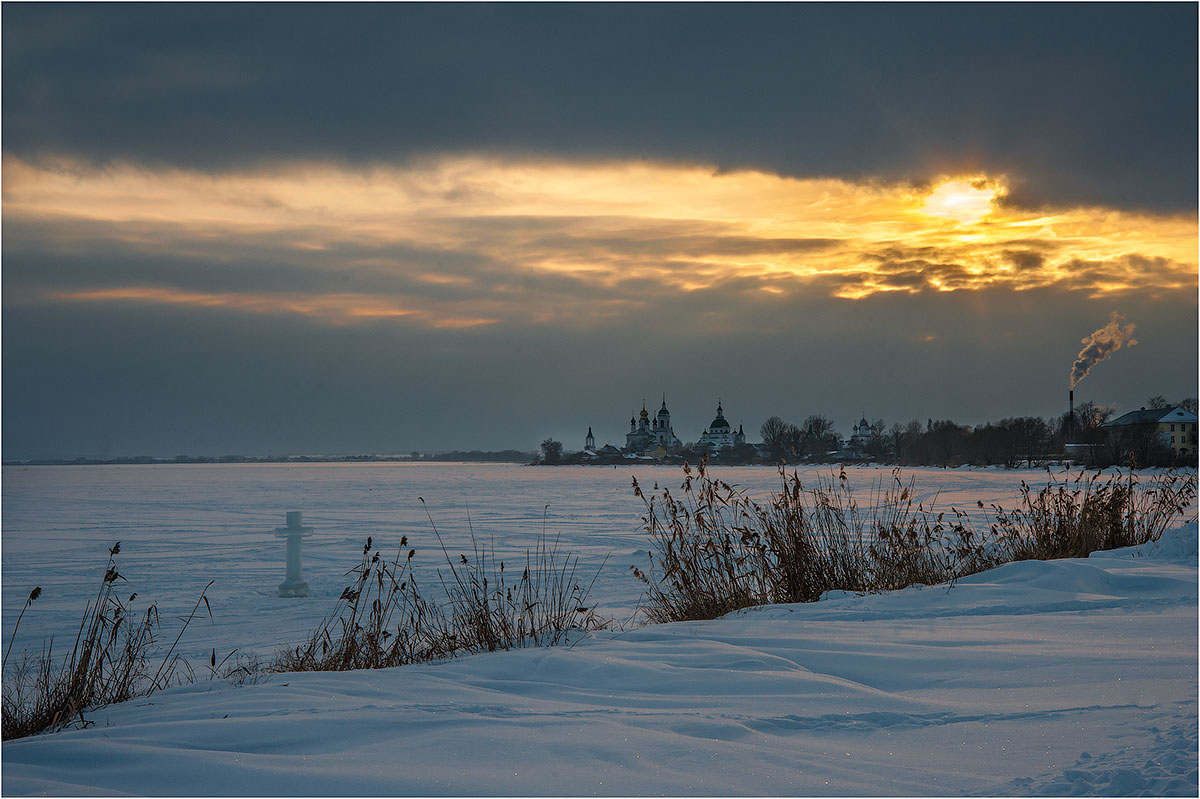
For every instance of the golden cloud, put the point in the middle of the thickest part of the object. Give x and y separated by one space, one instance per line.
532 234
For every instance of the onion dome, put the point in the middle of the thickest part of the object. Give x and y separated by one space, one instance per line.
719 422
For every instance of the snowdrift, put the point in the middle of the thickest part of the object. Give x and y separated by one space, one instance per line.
1074 677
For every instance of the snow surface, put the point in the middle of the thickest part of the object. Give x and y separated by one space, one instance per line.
1071 677
181 526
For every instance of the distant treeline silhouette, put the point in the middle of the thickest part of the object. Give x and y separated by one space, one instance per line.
1012 442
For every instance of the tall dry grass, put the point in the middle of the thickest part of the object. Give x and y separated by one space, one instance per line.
112 660
720 550
1088 514
384 618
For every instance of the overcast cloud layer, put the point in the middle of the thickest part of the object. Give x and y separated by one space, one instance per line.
268 229
1088 104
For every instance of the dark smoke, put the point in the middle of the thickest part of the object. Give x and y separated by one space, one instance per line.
1100 344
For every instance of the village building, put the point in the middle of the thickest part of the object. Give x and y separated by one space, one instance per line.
1176 428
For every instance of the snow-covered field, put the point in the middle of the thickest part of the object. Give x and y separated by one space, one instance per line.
1067 677
182 526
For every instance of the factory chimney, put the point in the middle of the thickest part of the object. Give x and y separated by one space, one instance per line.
1071 419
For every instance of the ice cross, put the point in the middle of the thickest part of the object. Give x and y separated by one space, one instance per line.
294 533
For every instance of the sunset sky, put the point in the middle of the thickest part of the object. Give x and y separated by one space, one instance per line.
283 229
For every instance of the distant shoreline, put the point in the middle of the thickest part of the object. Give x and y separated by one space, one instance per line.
474 456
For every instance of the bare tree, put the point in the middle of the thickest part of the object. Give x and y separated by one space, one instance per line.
896 440
794 441
904 438
1135 444
878 445
774 434
817 436
991 444
551 451
1024 437
943 441
1090 419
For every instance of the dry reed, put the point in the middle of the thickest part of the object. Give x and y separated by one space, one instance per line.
110 662
719 550
383 619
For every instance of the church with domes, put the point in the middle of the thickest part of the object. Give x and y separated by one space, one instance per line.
647 434
865 438
719 434
654 436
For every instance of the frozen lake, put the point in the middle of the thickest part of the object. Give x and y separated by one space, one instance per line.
181 526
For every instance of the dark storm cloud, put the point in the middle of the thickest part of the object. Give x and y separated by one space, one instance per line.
1078 103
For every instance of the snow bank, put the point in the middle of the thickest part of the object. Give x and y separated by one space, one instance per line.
1178 545
1072 677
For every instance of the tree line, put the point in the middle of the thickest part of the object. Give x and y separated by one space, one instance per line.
1015 441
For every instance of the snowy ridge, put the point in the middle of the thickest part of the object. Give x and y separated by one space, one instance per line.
1074 677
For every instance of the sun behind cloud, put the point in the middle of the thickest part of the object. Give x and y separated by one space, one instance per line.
965 200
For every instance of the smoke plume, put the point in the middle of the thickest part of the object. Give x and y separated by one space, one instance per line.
1100 344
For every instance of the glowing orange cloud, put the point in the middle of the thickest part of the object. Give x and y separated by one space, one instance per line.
457 224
